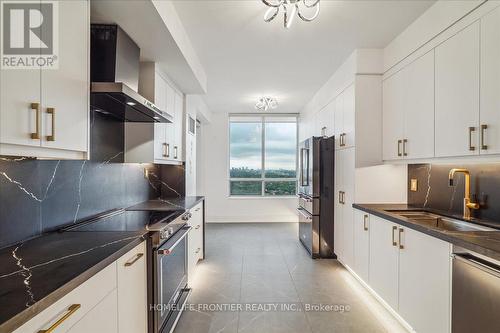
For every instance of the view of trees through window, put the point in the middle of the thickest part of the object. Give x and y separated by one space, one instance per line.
263 155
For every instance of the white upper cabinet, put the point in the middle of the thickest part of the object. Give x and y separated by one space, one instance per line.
178 126
45 112
393 116
490 83
160 143
457 94
345 119
65 90
408 111
325 120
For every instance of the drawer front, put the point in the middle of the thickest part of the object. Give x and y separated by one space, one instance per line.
132 291
87 296
102 318
310 204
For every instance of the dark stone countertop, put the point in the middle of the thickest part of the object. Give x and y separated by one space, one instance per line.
168 204
483 242
36 273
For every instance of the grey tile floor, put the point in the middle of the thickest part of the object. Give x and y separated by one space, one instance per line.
263 264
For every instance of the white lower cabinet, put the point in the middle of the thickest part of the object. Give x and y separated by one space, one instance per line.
113 300
102 318
195 238
408 269
424 281
361 226
384 255
132 299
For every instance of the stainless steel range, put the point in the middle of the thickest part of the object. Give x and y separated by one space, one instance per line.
167 258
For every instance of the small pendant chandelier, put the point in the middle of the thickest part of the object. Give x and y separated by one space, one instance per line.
290 8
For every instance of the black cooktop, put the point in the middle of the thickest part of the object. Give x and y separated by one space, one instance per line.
125 220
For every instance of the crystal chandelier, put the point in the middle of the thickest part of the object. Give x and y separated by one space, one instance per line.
266 103
290 8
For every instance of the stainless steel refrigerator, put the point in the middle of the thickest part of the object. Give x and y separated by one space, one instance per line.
316 196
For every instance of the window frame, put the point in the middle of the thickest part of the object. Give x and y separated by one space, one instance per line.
262 178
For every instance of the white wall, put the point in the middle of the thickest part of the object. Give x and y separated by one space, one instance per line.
214 164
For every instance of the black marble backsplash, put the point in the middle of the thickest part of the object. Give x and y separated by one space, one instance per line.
41 195
434 191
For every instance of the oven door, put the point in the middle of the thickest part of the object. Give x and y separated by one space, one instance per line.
170 280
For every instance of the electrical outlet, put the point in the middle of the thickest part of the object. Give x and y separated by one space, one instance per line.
413 185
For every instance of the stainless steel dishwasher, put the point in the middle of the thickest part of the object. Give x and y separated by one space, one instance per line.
475 294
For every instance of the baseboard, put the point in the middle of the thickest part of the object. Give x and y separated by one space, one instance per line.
252 219
379 299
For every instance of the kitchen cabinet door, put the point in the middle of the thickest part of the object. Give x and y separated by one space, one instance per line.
20 122
393 89
178 126
66 90
132 289
361 244
424 282
348 168
338 222
457 94
419 108
339 119
170 127
160 135
384 255
102 318
348 118
490 83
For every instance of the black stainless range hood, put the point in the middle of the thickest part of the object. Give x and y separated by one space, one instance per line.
115 78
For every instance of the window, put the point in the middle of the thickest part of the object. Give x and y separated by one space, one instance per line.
263 155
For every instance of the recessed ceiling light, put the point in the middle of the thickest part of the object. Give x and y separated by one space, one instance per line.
131 103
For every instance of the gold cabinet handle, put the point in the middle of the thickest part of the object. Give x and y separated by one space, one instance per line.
471 130
483 129
71 310
340 197
405 141
36 108
167 149
399 147
401 246
365 222
52 111
197 227
134 260
394 228
175 152
164 149
343 197
197 250
197 209
342 139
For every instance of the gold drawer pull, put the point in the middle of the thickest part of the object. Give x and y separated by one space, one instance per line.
175 152
197 227
365 225
164 147
471 130
399 147
72 309
483 145
394 228
197 251
36 108
52 137
132 261
401 246
197 209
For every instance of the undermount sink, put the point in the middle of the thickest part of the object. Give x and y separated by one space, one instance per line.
437 221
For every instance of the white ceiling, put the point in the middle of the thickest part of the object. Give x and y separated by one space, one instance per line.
245 57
